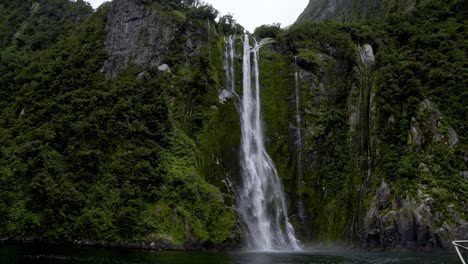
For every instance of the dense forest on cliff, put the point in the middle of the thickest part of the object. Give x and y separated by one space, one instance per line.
103 137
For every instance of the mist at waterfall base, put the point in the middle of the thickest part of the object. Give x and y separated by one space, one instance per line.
36 254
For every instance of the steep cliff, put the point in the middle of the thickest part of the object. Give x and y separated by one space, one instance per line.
136 34
346 11
373 121
115 116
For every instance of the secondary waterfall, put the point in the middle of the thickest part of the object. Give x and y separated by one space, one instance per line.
229 56
301 212
261 201
366 55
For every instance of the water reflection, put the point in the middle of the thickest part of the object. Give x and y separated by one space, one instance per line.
29 254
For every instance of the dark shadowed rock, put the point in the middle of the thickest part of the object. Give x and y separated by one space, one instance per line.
305 64
411 224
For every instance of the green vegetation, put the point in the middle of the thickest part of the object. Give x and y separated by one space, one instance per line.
418 81
85 157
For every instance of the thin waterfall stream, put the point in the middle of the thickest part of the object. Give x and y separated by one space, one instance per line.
301 212
229 66
261 200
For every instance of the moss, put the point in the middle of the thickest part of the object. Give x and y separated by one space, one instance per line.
310 56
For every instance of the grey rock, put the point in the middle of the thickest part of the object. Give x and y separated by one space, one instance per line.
429 127
330 7
453 137
411 224
348 10
416 134
404 221
164 68
464 174
141 75
383 195
136 34
453 212
224 95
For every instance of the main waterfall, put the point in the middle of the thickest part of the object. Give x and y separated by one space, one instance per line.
261 201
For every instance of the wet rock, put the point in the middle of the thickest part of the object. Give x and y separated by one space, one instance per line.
224 95
405 225
411 223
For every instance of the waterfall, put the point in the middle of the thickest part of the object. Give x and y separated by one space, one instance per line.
229 69
298 146
229 56
232 54
366 55
261 201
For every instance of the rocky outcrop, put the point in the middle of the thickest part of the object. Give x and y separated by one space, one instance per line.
136 34
393 222
348 10
429 127
464 174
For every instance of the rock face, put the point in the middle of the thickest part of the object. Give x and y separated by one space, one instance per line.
393 222
347 10
429 127
136 34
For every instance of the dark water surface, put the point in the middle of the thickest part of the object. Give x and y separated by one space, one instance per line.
53 254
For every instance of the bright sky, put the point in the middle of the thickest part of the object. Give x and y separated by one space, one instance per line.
254 13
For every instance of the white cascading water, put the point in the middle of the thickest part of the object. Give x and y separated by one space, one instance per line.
366 54
261 201
229 56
